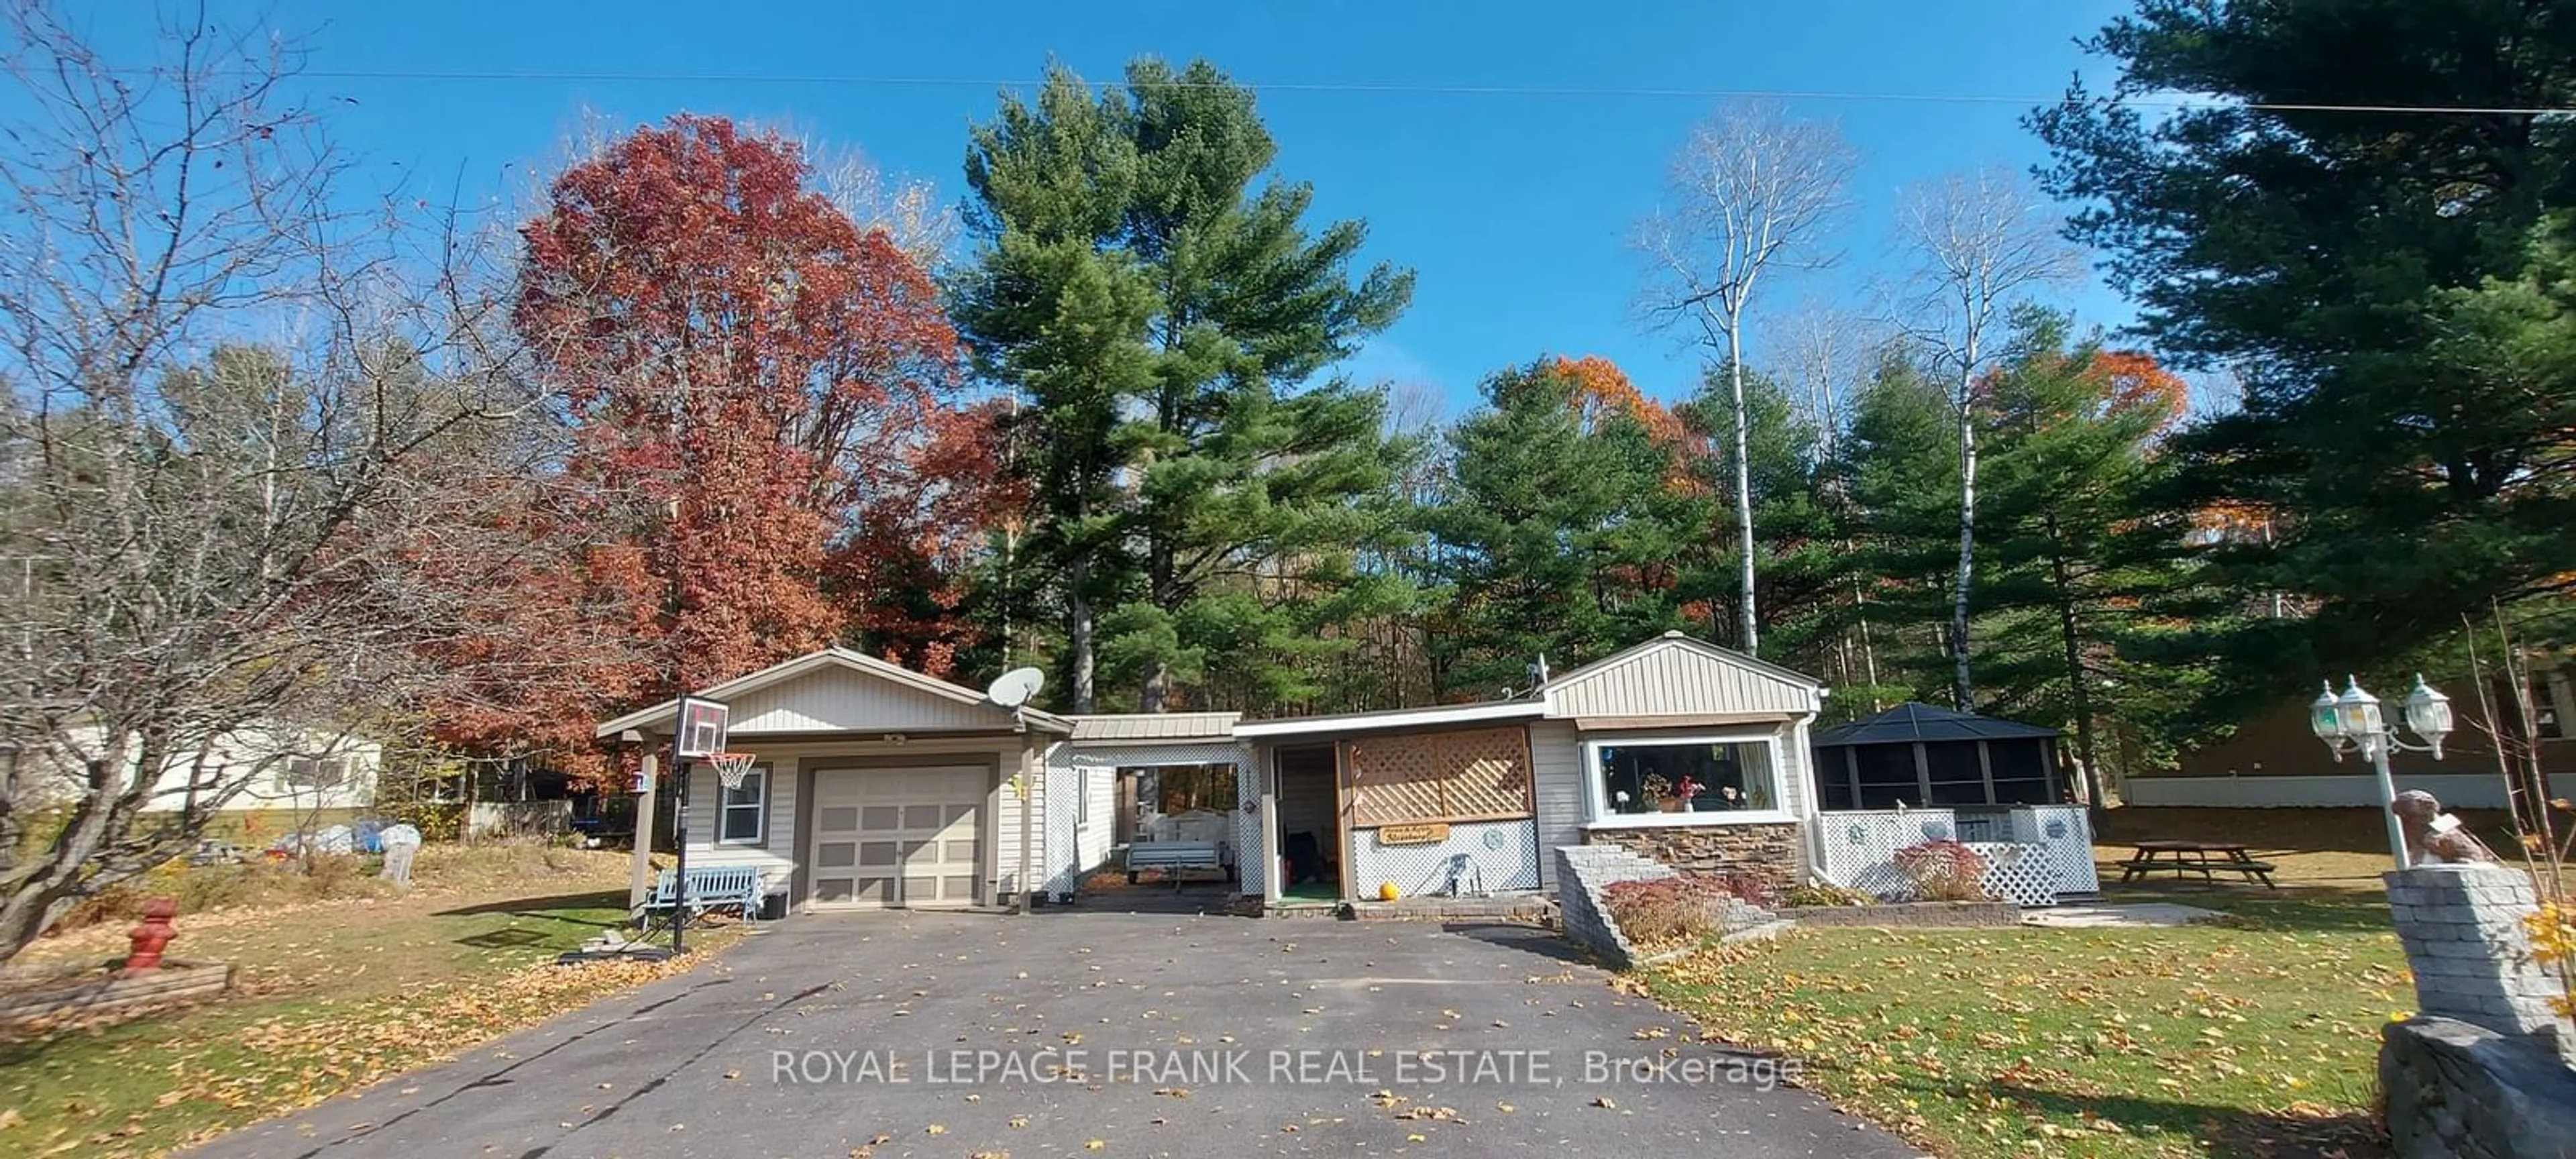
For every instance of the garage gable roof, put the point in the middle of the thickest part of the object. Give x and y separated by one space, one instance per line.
964 706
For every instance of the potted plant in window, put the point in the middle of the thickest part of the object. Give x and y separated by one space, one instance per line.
1685 793
1659 794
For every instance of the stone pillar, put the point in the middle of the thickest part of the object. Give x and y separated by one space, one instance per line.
2462 926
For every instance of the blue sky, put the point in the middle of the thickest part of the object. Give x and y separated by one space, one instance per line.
1512 208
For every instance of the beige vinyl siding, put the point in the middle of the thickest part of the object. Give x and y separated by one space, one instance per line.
840 699
776 853
1794 762
783 844
1677 679
1556 766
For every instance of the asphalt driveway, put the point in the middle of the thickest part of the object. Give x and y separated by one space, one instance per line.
1093 1033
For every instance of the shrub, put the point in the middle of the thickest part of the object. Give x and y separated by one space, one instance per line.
1819 894
1943 871
1677 909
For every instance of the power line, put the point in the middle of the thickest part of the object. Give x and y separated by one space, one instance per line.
1403 89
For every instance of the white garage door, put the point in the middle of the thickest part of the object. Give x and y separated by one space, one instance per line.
897 837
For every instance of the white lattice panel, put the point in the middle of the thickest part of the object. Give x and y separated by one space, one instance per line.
1253 856
1500 857
1063 847
2064 834
2049 850
1860 846
2017 873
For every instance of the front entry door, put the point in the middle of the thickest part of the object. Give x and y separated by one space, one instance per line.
898 837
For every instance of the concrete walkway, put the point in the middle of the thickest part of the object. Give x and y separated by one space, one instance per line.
2135 915
1088 1033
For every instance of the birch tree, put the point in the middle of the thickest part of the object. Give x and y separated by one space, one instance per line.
1751 190
1982 241
1824 350
244 405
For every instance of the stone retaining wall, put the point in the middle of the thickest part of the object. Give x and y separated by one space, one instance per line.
2458 1091
2462 926
2483 1072
1582 872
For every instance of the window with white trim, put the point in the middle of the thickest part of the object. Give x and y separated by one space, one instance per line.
742 814
1685 780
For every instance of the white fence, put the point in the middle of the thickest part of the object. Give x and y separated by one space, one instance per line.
2460 790
2054 844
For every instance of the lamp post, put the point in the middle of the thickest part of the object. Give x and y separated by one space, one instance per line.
2353 721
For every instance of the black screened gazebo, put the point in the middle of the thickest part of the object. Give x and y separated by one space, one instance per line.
1919 756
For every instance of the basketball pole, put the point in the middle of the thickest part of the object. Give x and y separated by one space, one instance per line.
679 849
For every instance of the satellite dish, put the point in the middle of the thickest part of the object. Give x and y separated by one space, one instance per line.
1016 687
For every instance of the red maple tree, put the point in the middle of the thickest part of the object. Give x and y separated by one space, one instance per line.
770 442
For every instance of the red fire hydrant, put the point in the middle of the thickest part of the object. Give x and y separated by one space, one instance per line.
151 936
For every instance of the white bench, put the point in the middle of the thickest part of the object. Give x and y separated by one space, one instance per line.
1174 856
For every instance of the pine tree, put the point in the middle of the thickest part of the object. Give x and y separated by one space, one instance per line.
1557 533
2402 440
1166 314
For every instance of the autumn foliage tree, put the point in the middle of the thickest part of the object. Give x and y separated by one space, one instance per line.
769 441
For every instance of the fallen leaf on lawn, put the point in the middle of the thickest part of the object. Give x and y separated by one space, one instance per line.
1095 1145
1018 1121
1416 1138
937 1129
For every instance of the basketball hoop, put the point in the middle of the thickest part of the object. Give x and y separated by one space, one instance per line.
730 768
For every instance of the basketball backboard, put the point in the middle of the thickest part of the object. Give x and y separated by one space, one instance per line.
703 724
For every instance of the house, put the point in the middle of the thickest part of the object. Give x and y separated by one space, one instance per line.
877 786
263 767
2272 759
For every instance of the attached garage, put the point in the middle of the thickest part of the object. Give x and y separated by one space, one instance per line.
877 787
897 837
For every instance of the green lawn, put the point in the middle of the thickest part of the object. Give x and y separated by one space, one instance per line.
331 997
2255 1037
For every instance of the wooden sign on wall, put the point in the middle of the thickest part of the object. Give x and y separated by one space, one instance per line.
1429 833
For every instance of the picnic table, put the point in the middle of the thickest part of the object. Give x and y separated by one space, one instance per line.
2206 858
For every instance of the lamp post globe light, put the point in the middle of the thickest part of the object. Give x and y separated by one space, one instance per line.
2353 721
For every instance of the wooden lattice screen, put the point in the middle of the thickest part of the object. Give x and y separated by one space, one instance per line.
1444 776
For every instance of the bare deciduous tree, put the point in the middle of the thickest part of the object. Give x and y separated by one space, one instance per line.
1983 239
1753 189
243 404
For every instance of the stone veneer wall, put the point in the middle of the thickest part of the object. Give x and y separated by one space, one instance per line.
1772 852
